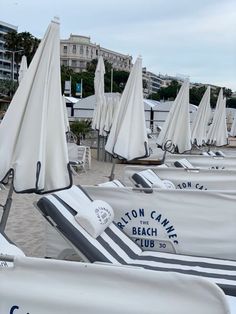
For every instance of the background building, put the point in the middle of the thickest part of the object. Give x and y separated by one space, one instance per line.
152 83
5 62
77 51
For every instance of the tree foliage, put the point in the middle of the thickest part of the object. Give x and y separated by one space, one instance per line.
167 93
119 78
7 87
195 94
231 103
80 129
25 42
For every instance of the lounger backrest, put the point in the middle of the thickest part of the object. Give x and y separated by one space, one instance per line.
111 246
149 179
184 163
211 153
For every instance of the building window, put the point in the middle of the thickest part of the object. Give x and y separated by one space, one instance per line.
65 49
64 62
81 50
87 51
82 64
74 63
74 49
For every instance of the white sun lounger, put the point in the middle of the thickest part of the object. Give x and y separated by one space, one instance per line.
182 178
149 179
204 162
36 285
111 245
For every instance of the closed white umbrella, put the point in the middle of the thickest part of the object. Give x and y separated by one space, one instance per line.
100 108
112 100
128 135
23 68
200 123
175 135
66 120
32 138
218 134
233 127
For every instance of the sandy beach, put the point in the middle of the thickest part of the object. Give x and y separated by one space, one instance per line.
26 226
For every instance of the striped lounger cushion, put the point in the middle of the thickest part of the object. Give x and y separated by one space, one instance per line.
113 246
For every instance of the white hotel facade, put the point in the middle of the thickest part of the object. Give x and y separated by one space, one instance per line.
77 51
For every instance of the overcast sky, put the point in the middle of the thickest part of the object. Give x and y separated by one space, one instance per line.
188 37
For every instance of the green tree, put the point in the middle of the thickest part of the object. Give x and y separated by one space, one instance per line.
231 103
154 96
29 44
196 94
167 93
227 92
22 44
7 87
119 77
13 44
80 129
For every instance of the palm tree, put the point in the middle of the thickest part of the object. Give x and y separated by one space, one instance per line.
80 129
20 44
13 47
29 44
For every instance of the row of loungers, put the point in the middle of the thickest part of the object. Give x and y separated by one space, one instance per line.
69 212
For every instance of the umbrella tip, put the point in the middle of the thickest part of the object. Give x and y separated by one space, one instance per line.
56 19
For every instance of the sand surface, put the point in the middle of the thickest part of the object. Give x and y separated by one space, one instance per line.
26 226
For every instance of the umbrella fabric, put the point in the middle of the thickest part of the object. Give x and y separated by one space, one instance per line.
100 108
32 133
23 68
175 135
128 136
66 120
218 134
200 123
233 127
112 101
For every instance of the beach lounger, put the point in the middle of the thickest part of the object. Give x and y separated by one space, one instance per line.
183 163
79 157
204 162
113 183
214 154
72 213
149 179
42 286
182 178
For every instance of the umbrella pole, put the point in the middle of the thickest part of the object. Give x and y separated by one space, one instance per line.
164 157
112 175
98 147
6 208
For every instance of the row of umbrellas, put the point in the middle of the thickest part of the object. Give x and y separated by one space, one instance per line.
33 146
32 134
177 136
